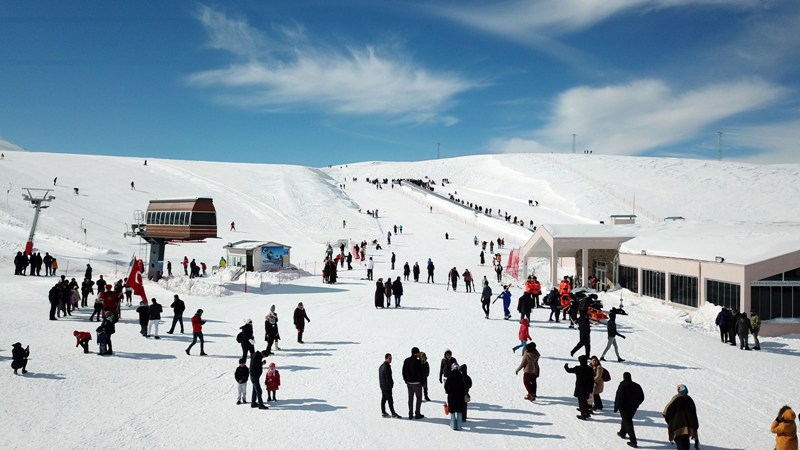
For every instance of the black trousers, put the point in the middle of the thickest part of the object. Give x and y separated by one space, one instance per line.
176 319
682 442
723 335
96 311
598 402
585 344
300 336
485 306
85 345
53 308
553 312
247 347
386 396
626 427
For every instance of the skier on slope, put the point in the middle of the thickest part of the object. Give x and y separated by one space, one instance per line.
506 296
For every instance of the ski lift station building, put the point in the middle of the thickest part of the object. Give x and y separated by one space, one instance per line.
258 256
747 267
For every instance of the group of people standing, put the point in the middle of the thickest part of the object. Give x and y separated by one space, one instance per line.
35 261
732 323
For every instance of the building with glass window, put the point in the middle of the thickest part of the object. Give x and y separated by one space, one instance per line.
747 267
750 267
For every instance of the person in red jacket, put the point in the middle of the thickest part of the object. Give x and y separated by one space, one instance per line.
185 265
82 338
524 334
273 381
197 331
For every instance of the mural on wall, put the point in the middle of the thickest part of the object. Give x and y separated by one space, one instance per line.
272 257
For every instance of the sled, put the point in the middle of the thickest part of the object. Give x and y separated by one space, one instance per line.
596 314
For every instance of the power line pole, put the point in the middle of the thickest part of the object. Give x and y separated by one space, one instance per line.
573 143
719 146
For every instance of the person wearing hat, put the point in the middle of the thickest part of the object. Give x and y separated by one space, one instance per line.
506 296
300 318
412 375
144 317
273 382
681 417
82 338
197 332
247 339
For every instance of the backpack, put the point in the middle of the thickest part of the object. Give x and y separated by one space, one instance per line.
606 375
239 337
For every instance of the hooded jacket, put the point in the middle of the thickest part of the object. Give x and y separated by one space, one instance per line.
786 431
530 362
681 416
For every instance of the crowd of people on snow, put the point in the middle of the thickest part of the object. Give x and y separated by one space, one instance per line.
680 414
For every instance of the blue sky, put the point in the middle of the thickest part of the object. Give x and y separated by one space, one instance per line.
329 82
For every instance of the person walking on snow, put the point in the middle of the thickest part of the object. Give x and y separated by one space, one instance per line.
416 271
755 324
530 370
246 339
629 397
233 226
681 417
523 334
394 258
584 332
611 327
370 267
486 298
506 296
397 291
456 392
430 271
386 384
453 275
300 318
197 332
599 384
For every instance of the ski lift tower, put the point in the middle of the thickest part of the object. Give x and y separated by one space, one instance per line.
40 199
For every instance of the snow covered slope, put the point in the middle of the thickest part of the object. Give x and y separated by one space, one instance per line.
151 395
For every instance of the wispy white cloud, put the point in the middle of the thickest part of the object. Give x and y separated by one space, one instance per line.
639 116
533 21
285 69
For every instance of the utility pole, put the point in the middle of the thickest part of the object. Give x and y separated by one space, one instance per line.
573 143
437 150
719 146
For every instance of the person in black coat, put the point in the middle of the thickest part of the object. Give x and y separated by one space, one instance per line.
178 307
555 305
524 306
397 291
379 293
386 383
584 384
415 271
242 374
256 369
155 318
300 318
467 387
48 264
54 296
88 273
406 271
144 317
585 336
19 357
247 339
455 396
412 375
732 326
611 328
629 397
271 327
722 321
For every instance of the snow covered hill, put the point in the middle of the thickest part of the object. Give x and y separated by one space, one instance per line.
151 395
